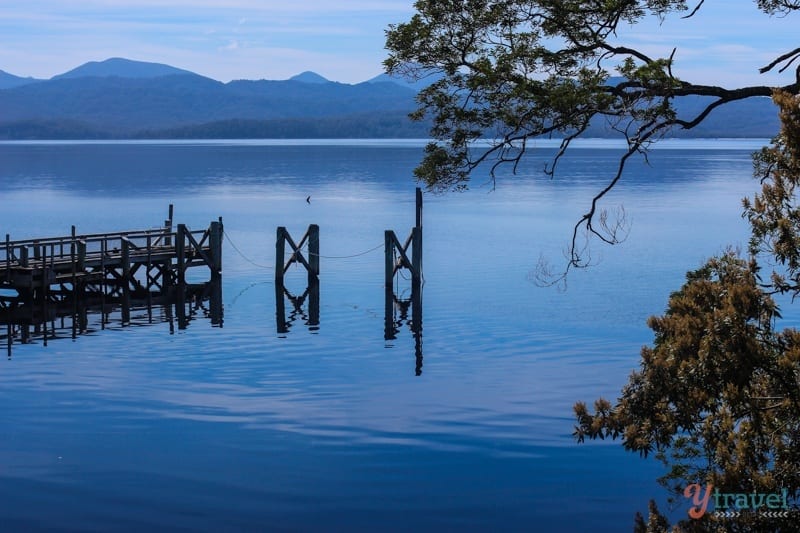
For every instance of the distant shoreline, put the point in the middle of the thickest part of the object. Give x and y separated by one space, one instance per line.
731 143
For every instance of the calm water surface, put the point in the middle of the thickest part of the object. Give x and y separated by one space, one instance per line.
331 428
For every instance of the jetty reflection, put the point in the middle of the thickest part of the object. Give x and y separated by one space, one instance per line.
396 316
308 316
26 322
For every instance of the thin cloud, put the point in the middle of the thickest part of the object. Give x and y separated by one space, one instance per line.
232 45
341 40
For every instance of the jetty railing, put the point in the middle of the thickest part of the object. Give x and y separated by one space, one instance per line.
24 262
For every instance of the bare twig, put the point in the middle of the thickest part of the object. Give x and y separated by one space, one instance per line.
695 10
788 55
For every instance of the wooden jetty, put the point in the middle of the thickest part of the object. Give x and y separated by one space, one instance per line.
41 279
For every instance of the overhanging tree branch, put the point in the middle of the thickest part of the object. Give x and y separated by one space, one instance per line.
514 70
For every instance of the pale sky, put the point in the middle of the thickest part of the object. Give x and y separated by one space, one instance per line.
342 40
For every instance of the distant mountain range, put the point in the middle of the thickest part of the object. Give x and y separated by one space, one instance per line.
121 98
8 81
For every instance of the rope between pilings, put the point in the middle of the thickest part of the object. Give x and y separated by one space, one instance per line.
244 256
304 249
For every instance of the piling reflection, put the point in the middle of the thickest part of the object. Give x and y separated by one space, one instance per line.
309 317
397 315
27 320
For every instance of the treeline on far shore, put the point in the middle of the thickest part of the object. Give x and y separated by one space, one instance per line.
386 125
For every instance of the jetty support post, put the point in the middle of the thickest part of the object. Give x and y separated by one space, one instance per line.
313 254
8 258
416 236
180 253
388 247
313 277
280 253
44 292
389 330
125 247
215 236
23 256
9 326
416 251
73 252
416 284
180 278
280 304
168 228
215 244
418 208
416 256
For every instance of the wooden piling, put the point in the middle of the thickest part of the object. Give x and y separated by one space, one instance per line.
215 244
416 250
280 252
103 252
168 228
44 296
73 252
81 260
416 254
313 253
149 279
126 281
388 240
180 252
8 257
419 208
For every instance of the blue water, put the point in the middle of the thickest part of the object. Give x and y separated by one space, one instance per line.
331 428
